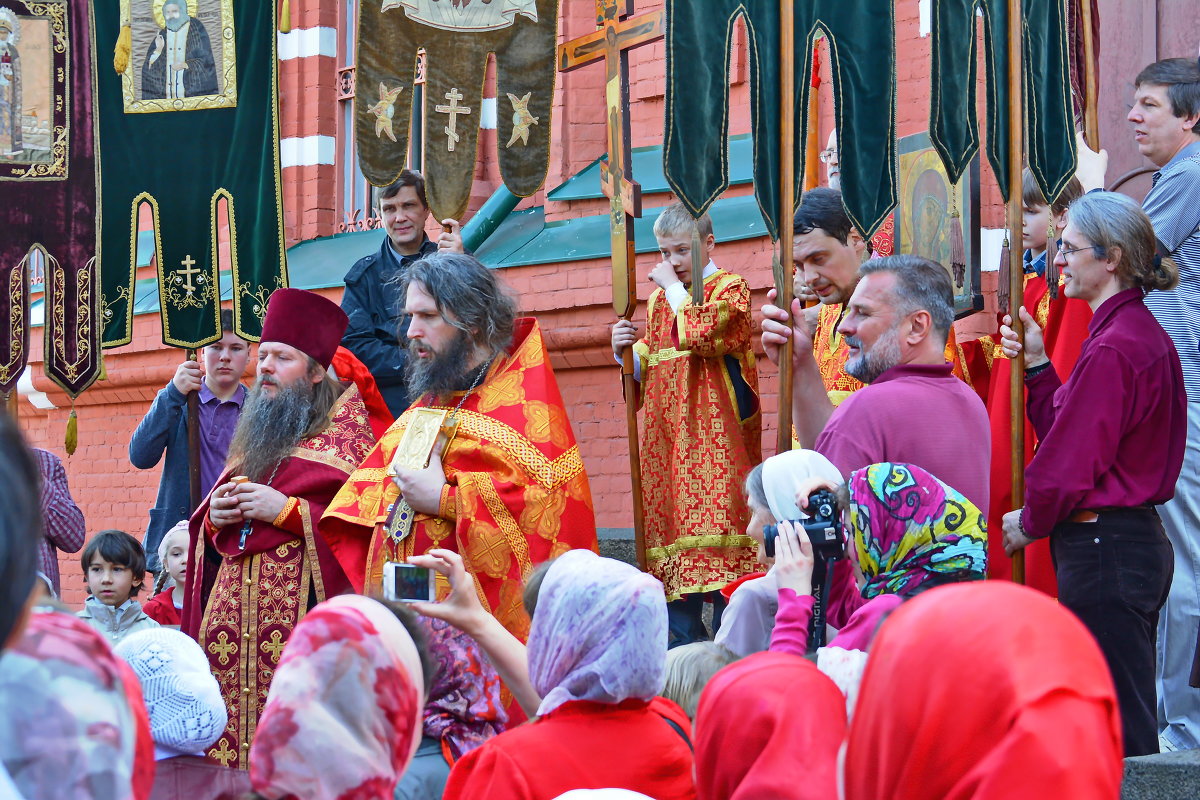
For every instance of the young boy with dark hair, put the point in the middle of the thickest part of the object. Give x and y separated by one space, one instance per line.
114 566
702 424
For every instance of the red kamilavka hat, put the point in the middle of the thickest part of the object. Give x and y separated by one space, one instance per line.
306 321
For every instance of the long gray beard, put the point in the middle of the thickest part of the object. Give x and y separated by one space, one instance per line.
270 428
883 356
444 373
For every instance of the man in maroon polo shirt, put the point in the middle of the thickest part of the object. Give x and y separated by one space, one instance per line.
913 409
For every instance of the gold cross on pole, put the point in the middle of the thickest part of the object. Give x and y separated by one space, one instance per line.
189 269
453 109
617 33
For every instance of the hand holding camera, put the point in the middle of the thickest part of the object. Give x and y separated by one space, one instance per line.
793 559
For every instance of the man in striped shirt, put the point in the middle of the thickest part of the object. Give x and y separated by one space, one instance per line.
64 529
1166 125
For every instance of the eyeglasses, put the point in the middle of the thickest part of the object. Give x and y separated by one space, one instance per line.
828 155
1099 250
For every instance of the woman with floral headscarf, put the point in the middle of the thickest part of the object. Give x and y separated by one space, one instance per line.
907 531
597 659
343 715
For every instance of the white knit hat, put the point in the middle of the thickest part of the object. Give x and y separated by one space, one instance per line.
187 712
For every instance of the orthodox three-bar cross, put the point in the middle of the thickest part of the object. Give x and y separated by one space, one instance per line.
617 33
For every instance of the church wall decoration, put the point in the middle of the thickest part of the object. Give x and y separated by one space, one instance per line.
188 118
457 37
48 177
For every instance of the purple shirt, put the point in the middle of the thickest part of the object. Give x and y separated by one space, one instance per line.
217 422
915 414
63 521
1114 433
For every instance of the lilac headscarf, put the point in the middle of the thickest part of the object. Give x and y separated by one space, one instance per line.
599 633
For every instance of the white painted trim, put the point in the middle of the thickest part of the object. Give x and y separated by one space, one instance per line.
25 389
306 151
487 115
305 42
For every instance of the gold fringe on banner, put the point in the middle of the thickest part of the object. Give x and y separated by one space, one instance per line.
123 49
285 16
958 251
1051 255
72 438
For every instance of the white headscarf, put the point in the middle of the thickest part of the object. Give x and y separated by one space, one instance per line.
782 475
187 712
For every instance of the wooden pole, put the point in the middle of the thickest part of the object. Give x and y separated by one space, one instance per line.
1016 276
787 178
1091 116
193 434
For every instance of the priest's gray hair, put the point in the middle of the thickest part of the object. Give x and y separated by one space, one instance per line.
921 285
467 295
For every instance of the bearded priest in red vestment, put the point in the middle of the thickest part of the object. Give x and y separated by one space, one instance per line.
483 463
257 560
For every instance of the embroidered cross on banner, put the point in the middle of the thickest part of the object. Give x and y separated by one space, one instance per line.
453 109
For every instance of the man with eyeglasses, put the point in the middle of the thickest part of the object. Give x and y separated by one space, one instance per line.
1166 126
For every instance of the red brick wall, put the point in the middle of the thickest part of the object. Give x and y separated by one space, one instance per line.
572 300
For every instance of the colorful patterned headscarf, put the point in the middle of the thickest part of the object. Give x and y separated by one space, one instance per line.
464 708
342 718
599 633
908 525
71 715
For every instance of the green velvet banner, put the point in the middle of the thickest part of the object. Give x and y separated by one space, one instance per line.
1049 123
862 61
190 128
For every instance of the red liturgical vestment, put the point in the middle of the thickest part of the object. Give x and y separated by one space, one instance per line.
242 604
701 434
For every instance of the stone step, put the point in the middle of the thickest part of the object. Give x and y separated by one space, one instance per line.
1165 776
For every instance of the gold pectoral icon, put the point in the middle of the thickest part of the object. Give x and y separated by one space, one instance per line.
427 428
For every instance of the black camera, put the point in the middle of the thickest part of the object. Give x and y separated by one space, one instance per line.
824 528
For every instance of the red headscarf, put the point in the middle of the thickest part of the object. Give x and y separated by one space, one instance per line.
984 691
769 727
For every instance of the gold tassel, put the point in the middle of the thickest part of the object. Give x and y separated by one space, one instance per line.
123 50
1051 255
72 439
958 251
285 17
103 376
1005 273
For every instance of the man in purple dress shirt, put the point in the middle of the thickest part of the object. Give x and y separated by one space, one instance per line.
1111 444
913 409
164 430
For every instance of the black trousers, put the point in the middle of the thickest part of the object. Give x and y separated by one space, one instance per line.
1115 573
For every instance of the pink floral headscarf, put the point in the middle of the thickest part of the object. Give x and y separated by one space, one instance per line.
72 723
599 633
343 716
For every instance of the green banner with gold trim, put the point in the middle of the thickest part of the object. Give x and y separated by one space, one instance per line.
188 127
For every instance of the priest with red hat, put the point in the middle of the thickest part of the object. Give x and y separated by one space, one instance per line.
257 560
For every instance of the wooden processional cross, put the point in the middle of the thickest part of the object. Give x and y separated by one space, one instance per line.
617 33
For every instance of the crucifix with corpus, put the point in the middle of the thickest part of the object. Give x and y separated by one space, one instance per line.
617 33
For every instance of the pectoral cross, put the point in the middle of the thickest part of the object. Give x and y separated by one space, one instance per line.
453 109
615 36
189 269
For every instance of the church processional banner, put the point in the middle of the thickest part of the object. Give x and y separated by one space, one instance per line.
48 189
457 37
861 35
188 120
